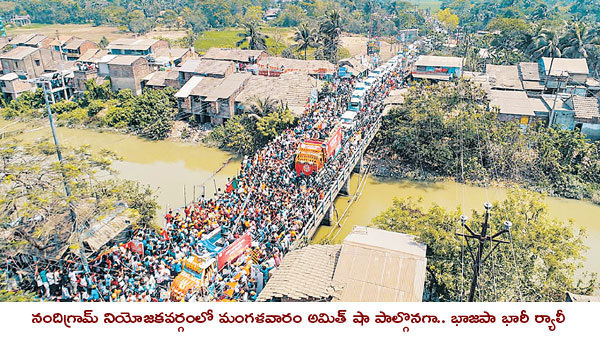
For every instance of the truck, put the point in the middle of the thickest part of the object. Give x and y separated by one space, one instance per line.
313 153
197 274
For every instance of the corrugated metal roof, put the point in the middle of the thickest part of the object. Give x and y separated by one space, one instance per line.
511 102
187 88
74 43
440 61
380 266
132 44
304 274
239 55
529 71
571 66
229 86
125 60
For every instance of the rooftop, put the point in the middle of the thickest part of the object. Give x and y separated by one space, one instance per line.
560 65
310 66
206 66
18 52
586 107
23 38
158 78
304 274
380 266
504 77
431 60
132 44
228 86
92 55
239 55
74 43
125 60
511 102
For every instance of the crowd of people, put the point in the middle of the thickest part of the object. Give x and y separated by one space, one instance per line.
268 199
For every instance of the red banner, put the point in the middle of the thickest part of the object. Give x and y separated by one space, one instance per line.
231 252
136 247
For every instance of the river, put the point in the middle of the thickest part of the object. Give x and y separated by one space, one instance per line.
167 166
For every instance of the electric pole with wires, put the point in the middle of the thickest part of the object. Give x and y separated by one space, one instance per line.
481 239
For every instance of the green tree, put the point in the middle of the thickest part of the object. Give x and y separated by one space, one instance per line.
330 31
291 16
579 40
305 37
103 42
539 264
152 114
252 35
448 19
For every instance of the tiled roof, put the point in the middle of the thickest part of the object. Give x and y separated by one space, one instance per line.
586 107
440 61
239 55
304 274
18 52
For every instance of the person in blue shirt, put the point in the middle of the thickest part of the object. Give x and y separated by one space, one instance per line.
94 295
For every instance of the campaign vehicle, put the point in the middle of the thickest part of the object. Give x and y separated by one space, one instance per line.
312 154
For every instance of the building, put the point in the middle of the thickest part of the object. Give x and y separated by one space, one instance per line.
29 62
517 106
437 67
220 102
574 112
371 265
127 71
504 77
242 57
162 79
31 40
127 46
564 71
206 68
356 66
167 58
77 47
531 78
275 66
271 14
293 89
12 86
190 98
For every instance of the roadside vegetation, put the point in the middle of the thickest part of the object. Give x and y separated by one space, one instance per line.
539 265
149 115
447 130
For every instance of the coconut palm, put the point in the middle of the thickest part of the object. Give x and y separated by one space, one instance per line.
262 107
252 34
330 30
579 40
305 37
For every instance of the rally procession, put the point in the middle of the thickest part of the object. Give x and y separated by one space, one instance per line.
225 247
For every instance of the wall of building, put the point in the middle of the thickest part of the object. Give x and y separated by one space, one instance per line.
128 76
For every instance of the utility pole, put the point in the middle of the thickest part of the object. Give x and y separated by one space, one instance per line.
553 112
482 238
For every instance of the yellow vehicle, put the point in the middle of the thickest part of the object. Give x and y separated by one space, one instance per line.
197 274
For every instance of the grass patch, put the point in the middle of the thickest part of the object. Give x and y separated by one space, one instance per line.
228 37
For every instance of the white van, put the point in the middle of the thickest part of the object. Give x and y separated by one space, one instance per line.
348 119
360 86
370 82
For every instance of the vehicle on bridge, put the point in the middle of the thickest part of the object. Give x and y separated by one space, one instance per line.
348 119
197 274
312 154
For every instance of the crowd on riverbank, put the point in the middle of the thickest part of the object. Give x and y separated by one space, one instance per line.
267 199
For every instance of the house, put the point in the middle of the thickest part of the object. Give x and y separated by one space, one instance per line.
220 103
165 58
103 64
127 71
162 79
92 56
242 57
60 40
564 71
275 66
205 67
531 79
129 46
31 40
271 14
76 47
356 66
517 106
191 96
294 89
28 62
371 265
504 77
574 112
437 67
12 86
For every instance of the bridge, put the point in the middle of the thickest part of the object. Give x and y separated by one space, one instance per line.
324 212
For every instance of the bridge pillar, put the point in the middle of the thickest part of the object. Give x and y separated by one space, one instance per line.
345 189
329 218
360 165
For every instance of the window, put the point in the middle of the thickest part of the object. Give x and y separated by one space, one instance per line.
37 62
2 84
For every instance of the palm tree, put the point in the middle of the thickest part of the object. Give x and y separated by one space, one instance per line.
261 108
579 40
255 39
544 44
305 37
330 30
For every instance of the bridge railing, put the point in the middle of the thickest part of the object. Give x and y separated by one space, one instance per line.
328 199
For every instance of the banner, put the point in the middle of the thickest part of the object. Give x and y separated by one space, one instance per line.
136 247
231 252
